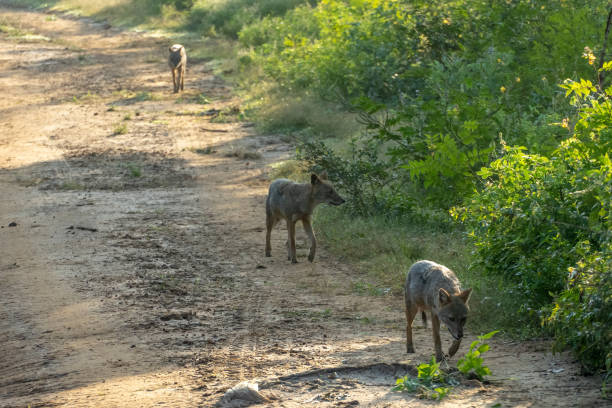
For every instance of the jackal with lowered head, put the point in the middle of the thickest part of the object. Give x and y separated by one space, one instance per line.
178 64
434 288
294 202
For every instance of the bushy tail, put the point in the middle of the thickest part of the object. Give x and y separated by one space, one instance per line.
424 317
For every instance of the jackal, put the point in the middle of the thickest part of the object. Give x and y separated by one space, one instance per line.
178 63
293 202
435 288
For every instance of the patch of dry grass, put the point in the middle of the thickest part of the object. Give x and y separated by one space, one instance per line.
242 152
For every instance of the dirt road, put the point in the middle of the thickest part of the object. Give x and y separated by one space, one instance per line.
131 249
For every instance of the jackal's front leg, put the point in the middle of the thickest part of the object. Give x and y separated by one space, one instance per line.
174 83
435 325
454 347
182 81
291 241
313 240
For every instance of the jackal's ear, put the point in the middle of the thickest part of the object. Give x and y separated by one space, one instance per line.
314 179
323 175
465 295
444 297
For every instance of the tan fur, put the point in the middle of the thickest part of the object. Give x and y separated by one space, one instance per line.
177 60
294 202
435 288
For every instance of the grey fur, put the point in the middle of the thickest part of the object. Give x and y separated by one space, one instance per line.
294 202
434 288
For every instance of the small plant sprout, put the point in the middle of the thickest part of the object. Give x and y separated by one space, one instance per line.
120 129
135 170
471 364
431 382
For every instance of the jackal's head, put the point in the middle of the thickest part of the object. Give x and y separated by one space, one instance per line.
323 191
453 311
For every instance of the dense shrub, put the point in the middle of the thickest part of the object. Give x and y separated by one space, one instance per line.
545 224
582 314
363 178
450 79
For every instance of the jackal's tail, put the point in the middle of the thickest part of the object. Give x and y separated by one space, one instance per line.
424 317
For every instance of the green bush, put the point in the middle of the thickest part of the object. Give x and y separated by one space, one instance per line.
538 218
450 80
582 314
472 362
362 177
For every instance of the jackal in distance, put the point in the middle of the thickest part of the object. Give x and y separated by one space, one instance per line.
178 64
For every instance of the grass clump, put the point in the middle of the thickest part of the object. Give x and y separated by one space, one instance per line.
242 153
89 97
430 383
301 114
471 364
120 129
292 169
134 170
203 150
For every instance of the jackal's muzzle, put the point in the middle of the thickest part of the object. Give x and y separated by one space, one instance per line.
456 337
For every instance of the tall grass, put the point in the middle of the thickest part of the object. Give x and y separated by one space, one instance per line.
228 17
382 250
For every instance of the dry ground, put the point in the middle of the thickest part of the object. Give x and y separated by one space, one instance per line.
135 274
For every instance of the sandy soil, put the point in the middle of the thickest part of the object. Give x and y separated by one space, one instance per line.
135 274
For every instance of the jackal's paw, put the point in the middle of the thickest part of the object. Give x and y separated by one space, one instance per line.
410 349
311 258
268 254
294 261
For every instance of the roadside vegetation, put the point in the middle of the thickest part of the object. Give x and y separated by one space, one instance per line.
475 133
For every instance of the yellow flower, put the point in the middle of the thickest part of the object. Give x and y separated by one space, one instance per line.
588 55
518 79
565 123
502 89
446 21
591 59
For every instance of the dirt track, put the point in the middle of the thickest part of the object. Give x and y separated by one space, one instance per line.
135 274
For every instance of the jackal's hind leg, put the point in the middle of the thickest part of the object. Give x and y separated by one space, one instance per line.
411 312
270 221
